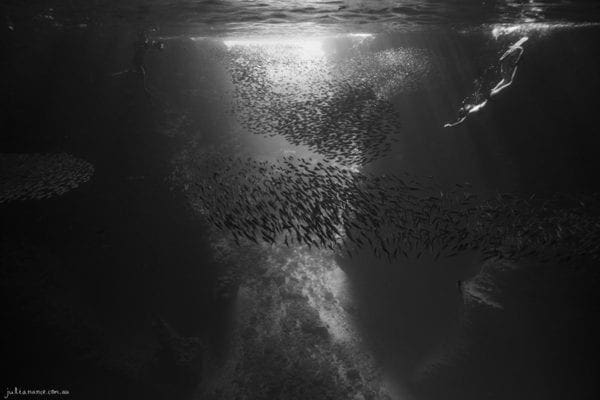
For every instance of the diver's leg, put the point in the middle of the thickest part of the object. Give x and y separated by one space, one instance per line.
508 74
499 87
504 82
520 50
508 71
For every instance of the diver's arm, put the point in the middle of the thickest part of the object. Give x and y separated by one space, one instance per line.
458 122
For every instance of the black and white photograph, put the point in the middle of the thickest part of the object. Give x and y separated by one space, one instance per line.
300 199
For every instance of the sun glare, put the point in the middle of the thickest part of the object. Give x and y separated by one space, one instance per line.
303 48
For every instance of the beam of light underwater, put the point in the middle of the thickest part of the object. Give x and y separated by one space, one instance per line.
302 48
310 276
300 298
337 105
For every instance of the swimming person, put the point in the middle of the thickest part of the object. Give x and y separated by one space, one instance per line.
508 69
141 47
508 65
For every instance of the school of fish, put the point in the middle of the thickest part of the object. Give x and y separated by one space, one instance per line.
299 202
340 109
40 176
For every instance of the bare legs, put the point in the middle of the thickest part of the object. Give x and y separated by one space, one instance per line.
508 69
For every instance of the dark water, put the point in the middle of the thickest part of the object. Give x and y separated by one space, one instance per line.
119 287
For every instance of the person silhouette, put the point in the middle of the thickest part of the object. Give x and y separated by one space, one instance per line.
140 49
508 69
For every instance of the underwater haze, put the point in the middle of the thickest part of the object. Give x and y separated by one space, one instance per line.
366 200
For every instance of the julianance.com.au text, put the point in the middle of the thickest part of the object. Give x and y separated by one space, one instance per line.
16 392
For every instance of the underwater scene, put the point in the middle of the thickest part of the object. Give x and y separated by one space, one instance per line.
341 200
